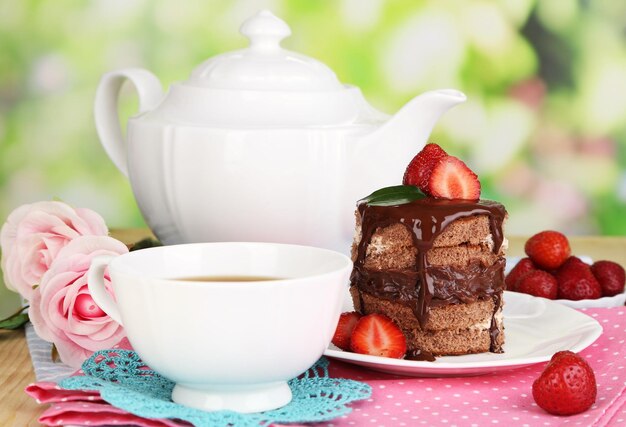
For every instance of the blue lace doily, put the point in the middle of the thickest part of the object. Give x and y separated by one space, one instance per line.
125 382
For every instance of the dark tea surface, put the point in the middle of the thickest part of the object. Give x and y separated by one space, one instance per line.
227 278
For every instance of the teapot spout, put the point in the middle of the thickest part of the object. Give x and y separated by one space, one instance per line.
395 143
418 117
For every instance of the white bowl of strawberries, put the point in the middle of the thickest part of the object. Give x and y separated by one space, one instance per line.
550 271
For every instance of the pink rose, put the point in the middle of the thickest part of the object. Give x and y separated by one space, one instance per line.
34 234
62 310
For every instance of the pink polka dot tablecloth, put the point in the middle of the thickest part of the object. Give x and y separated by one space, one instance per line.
503 399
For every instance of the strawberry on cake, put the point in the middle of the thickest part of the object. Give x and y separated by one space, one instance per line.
429 255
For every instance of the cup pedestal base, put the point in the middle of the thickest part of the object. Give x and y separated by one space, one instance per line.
244 399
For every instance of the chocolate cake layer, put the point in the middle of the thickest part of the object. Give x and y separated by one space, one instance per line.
430 263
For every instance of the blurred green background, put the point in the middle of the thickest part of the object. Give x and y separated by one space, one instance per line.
544 127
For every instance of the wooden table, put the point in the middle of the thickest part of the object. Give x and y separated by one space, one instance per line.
16 371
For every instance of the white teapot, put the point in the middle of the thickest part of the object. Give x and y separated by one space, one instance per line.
260 144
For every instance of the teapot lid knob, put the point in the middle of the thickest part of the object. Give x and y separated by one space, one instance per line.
264 65
262 85
265 31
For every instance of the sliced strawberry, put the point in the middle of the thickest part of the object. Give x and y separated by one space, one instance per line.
418 171
452 179
345 326
377 335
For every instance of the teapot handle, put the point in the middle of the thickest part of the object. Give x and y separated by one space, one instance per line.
106 111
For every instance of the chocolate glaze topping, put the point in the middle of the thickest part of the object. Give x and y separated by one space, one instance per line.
431 285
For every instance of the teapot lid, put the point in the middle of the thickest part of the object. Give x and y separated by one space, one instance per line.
263 85
265 65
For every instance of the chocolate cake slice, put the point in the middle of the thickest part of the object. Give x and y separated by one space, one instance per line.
436 267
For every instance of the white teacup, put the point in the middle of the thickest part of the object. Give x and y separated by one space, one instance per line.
226 344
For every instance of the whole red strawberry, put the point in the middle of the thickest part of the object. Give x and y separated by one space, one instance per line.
611 277
419 170
572 261
377 335
525 265
567 385
548 249
345 326
538 283
575 281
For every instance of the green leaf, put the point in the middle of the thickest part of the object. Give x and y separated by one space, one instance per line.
14 322
396 195
145 243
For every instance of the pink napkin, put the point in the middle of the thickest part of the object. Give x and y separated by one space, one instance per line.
84 407
498 399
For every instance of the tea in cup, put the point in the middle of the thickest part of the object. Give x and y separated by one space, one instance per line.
229 323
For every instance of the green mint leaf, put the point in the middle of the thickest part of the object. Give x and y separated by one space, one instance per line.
396 195
14 322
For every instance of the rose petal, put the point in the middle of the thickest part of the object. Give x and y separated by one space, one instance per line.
92 223
33 236
39 323
76 338
70 353
36 222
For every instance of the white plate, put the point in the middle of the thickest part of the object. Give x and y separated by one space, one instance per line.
604 302
535 329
